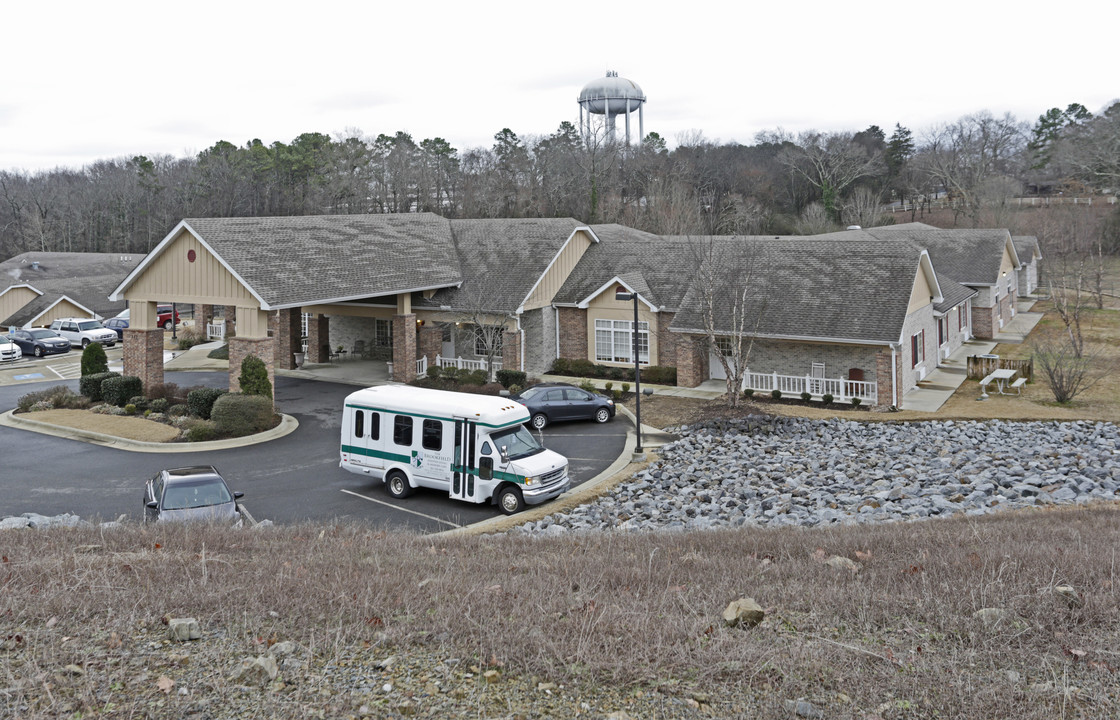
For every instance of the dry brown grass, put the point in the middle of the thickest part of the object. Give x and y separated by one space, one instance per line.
123 426
613 616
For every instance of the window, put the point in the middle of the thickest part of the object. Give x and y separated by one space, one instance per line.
484 335
433 435
374 426
359 423
614 341
917 348
382 333
402 430
725 345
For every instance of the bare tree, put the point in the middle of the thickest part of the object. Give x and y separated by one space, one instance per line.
864 208
830 162
729 309
1069 369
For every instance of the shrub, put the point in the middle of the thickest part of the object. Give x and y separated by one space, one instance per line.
451 373
473 377
586 385
608 386
254 377
433 371
487 389
617 373
514 389
158 405
90 385
201 401
178 410
117 390
806 396
94 360
155 417
237 414
583 367
168 391
56 397
625 387
191 335
856 402
561 366
776 394
616 395
826 399
139 401
748 393
129 409
219 353
510 377
199 430
660 375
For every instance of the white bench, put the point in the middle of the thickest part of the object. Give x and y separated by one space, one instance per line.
1017 386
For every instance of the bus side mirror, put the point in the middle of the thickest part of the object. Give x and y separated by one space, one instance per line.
505 455
486 468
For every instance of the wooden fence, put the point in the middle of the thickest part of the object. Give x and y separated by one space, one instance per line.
979 367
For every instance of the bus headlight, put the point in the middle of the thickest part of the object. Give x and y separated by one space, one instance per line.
532 480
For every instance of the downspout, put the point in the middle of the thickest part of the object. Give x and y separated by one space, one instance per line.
521 333
894 375
556 327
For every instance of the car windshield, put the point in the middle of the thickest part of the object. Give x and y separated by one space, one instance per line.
90 325
195 494
530 393
43 334
518 442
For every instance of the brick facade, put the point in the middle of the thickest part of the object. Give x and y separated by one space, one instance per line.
884 386
429 341
666 341
318 339
692 362
511 350
241 348
984 323
286 326
143 355
202 315
573 333
404 348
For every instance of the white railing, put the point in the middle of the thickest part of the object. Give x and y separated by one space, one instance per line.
793 385
465 364
422 366
217 331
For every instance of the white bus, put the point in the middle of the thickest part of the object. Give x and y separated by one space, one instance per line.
474 447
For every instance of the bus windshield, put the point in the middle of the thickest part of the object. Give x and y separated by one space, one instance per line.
518 441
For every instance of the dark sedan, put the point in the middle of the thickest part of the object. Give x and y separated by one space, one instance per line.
117 324
182 494
39 342
552 402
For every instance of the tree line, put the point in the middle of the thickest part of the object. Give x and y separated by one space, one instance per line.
781 184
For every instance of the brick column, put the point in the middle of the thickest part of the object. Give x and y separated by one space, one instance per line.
241 348
286 326
202 315
143 355
429 341
666 341
318 335
692 363
573 333
404 348
884 386
511 350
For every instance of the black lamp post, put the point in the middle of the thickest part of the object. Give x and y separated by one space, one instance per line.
619 294
174 320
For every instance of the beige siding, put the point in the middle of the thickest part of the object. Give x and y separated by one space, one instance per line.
173 278
555 276
252 322
605 307
61 310
921 293
350 311
15 298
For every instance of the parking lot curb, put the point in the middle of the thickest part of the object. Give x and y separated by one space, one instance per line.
623 468
288 425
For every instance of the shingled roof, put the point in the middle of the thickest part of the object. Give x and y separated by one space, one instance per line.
501 261
1026 247
852 289
85 278
293 261
971 257
656 267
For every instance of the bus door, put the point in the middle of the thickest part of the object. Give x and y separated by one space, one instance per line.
464 474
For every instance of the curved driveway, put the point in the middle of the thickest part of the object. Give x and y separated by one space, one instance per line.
287 480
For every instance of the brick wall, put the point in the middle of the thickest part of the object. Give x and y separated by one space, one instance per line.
666 341
884 383
286 326
573 333
511 350
429 341
143 355
404 347
241 348
692 362
318 339
984 323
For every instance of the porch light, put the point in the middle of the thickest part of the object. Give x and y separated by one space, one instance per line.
622 296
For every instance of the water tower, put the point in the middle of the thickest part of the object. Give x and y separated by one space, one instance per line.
612 96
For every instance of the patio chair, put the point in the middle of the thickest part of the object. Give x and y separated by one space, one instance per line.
359 350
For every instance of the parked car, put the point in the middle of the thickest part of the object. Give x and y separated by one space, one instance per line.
163 316
198 492
551 402
117 325
82 331
39 342
9 350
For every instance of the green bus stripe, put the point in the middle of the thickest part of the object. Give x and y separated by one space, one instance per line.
355 450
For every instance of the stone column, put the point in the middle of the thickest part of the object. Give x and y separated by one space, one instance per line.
143 355
286 326
692 363
511 350
404 347
240 348
318 339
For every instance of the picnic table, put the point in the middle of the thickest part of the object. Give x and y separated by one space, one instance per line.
1000 378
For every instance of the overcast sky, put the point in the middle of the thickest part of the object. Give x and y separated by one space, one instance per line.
83 81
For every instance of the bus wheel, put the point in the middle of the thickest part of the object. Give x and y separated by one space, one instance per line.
510 500
397 484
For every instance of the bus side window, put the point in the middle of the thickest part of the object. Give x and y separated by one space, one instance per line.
433 435
359 423
402 430
374 426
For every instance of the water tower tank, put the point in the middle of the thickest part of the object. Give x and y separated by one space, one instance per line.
612 96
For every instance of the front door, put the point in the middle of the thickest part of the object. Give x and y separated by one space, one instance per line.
464 474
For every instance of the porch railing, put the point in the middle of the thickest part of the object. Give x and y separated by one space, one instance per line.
793 385
422 366
462 364
217 331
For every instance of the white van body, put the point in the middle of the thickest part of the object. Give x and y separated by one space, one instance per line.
474 447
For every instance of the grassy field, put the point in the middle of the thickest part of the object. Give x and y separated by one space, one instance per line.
365 623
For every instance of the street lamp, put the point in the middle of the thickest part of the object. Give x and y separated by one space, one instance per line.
621 295
174 320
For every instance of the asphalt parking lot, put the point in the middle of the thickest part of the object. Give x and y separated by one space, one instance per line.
288 480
